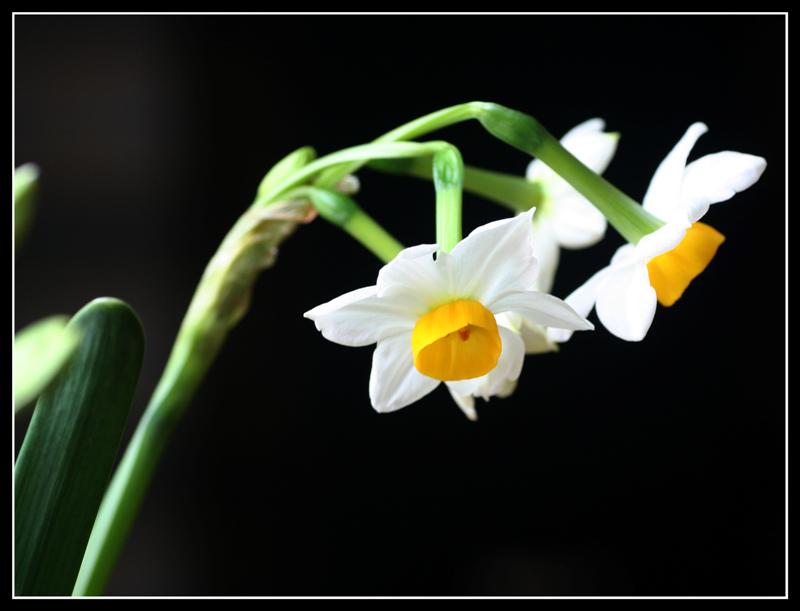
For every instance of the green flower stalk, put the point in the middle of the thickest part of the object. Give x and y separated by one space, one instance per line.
447 170
512 192
526 134
448 178
409 131
221 299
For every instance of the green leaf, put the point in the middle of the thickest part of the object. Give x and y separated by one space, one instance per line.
68 453
293 161
26 182
40 351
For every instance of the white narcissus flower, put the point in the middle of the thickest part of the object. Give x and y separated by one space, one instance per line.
564 218
661 265
434 319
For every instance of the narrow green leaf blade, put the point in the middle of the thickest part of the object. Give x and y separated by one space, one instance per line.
26 181
40 351
68 453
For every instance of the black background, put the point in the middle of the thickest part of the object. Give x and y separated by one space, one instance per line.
616 468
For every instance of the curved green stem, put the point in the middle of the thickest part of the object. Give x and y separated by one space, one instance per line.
194 351
526 134
357 155
512 192
408 131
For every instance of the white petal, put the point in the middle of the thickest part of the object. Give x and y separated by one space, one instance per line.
537 171
414 278
466 387
624 254
540 308
394 381
359 318
507 389
534 336
465 402
626 303
662 240
536 340
716 178
594 149
509 365
509 320
546 251
587 127
582 300
663 197
494 258
414 252
577 223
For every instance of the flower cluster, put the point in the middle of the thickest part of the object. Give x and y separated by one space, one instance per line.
468 316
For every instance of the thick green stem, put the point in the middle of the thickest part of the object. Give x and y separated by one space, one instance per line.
220 300
193 353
